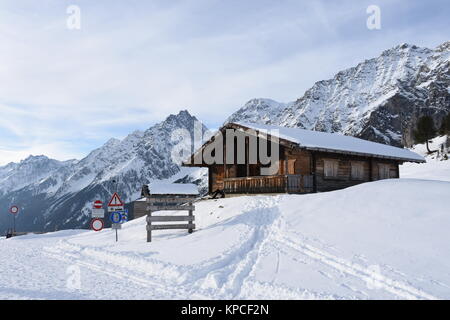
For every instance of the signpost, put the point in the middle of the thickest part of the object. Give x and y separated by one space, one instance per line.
97 224
162 202
97 214
115 217
115 204
14 210
98 204
118 214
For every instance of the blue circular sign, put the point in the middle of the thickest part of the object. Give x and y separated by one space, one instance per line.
115 217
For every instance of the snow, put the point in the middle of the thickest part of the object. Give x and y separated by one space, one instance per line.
173 188
432 170
333 141
435 169
381 240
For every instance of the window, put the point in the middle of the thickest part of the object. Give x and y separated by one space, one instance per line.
383 171
330 168
357 170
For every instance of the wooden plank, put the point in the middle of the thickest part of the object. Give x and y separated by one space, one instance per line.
170 218
191 215
170 226
166 196
170 208
170 199
165 204
149 225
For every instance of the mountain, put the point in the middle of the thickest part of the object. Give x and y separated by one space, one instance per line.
15 176
55 194
380 99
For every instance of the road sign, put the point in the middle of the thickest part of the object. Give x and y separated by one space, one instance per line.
97 224
98 204
14 209
115 217
98 213
124 217
116 226
115 209
115 201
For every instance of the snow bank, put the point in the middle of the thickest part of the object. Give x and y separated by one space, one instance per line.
434 169
173 188
382 240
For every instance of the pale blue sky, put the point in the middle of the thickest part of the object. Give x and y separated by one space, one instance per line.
64 92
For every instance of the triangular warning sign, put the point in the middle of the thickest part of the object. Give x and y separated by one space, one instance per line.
115 201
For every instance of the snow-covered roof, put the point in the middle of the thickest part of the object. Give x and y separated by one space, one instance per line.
173 188
334 142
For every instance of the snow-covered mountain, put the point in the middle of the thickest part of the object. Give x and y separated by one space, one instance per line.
380 99
59 194
32 170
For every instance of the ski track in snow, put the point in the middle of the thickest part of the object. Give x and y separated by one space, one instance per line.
232 275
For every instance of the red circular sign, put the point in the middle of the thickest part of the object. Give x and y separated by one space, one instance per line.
14 209
97 224
98 204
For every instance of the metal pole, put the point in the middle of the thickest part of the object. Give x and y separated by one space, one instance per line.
14 224
116 236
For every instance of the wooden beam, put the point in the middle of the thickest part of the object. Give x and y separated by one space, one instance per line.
247 156
170 218
191 215
189 226
165 200
169 208
149 226
314 171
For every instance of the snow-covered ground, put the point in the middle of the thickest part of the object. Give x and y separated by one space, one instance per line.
434 169
385 239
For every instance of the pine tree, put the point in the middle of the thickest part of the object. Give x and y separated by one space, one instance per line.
425 130
445 126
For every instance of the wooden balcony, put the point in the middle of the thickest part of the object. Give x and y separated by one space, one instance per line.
269 184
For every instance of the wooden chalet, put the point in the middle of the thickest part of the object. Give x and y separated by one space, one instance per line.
309 161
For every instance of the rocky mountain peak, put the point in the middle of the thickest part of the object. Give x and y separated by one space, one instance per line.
380 99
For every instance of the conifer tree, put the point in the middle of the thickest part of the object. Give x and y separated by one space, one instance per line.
425 130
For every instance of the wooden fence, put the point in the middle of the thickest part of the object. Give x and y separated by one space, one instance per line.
169 202
292 183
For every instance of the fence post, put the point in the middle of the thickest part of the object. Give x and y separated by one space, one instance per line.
149 226
191 214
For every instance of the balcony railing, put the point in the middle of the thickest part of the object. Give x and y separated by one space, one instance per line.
269 184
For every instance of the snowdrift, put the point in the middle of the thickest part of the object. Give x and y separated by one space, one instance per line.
385 240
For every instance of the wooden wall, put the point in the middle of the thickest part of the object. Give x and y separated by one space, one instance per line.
139 209
296 161
217 175
344 178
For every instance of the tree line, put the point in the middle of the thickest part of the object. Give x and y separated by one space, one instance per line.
426 130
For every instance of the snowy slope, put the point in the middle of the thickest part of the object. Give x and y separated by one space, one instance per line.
380 99
436 168
380 240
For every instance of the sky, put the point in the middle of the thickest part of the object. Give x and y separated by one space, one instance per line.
71 80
